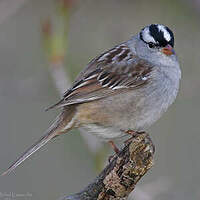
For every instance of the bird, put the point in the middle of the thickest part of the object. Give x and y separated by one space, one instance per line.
125 88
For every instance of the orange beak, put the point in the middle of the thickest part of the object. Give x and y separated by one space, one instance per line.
168 50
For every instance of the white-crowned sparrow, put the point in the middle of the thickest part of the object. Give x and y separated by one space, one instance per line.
125 88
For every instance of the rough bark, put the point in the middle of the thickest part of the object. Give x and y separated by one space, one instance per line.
121 175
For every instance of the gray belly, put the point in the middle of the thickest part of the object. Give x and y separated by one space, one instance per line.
104 132
136 109
140 108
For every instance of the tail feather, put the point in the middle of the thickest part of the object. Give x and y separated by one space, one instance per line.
50 133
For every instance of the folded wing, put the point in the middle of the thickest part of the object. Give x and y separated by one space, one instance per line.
116 70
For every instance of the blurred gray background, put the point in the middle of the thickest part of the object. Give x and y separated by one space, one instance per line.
65 165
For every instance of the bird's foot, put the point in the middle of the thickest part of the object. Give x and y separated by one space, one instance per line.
133 134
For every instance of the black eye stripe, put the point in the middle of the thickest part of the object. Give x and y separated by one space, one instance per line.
152 45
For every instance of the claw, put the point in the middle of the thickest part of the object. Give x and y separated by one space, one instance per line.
133 134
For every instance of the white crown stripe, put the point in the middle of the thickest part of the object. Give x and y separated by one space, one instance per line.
166 34
147 37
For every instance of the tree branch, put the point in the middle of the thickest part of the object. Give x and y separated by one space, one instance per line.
121 175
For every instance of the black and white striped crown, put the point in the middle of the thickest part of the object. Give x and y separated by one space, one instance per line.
157 34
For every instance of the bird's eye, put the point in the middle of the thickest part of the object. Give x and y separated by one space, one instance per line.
151 45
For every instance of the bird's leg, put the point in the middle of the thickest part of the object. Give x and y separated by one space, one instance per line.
114 147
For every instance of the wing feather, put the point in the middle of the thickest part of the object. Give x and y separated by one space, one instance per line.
114 71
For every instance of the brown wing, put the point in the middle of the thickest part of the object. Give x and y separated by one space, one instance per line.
114 71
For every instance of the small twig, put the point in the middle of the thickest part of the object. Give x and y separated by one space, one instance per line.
121 175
